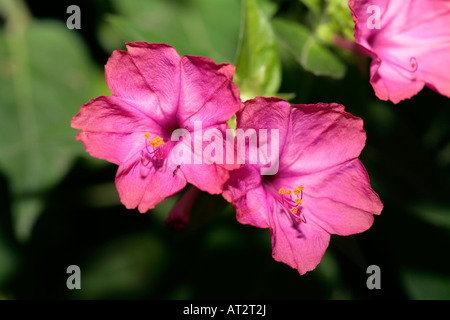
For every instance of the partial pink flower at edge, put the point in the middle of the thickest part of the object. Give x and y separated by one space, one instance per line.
321 187
409 50
154 92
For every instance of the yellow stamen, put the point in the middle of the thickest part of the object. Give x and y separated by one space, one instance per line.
294 210
147 135
156 142
282 191
298 190
289 192
298 201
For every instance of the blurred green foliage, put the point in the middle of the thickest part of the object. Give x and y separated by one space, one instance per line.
59 206
307 50
258 67
196 27
45 77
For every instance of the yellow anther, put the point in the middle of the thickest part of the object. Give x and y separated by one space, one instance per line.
298 190
282 191
294 210
156 142
298 201
147 135
289 192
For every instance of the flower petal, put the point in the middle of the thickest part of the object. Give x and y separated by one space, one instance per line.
248 196
339 200
112 128
149 76
389 83
321 136
263 115
144 186
308 134
298 245
411 47
208 93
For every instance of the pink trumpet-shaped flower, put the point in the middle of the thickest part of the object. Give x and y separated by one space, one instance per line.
321 187
409 42
180 214
154 92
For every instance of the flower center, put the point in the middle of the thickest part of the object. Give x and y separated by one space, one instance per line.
154 152
292 201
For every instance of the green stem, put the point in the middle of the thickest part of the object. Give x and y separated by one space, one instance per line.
16 14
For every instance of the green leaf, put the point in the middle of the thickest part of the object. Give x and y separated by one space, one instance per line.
307 50
426 285
433 213
258 67
25 212
314 6
196 27
232 124
9 261
339 19
45 77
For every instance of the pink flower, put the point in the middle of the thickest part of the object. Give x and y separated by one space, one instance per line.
321 187
409 42
180 214
154 92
